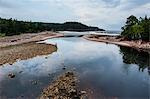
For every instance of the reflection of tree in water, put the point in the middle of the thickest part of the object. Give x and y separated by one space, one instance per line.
132 56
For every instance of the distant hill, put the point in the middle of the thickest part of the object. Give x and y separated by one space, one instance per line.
14 27
76 26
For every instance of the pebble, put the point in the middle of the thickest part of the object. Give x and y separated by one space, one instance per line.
20 72
64 68
83 92
34 82
11 75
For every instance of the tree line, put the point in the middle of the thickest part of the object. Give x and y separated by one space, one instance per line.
136 29
11 26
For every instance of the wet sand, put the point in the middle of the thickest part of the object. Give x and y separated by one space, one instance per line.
12 53
137 44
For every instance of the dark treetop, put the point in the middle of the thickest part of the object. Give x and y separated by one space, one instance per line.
135 29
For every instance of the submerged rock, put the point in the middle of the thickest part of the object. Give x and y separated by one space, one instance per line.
65 87
64 68
20 72
34 82
11 75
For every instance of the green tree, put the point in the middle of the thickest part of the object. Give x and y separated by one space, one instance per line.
131 20
145 23
15 27
136 29
127 29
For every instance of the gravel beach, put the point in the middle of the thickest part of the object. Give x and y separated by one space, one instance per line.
12 53
24 46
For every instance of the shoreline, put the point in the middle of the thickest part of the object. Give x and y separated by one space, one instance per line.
35 37
27 38
138 45
24 46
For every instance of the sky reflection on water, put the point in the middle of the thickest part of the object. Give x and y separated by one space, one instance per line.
100 67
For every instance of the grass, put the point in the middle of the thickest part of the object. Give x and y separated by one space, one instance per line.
2 34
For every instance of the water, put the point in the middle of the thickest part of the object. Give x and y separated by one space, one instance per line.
104 70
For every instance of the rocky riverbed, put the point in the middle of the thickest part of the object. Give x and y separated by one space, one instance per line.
65 87
11 54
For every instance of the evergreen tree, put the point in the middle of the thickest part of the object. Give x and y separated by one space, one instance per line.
136 29
145 23
14 27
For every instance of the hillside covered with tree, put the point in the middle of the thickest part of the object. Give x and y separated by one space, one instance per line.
13 27
137 29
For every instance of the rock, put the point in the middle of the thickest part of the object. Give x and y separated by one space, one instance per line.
72 93
76 97
11 75
63 88
10 63
20 72
34 82
49 74
83 92
13 41
69 74
64 68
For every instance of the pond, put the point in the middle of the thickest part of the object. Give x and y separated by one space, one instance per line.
104 70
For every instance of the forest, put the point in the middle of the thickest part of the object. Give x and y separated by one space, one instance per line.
136 29
9 27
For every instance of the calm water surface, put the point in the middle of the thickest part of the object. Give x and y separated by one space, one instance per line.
104 70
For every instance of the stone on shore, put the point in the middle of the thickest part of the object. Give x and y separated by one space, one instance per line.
65 87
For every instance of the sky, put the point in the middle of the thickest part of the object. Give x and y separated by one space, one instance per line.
106 14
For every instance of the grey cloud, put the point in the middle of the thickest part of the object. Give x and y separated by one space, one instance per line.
139 2
131 4
108 14
5 4
112 3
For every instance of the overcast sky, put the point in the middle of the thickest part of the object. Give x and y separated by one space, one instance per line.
106 14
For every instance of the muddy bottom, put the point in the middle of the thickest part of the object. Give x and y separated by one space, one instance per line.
24 51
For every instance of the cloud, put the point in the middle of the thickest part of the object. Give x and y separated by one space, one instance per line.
107 14
4 4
